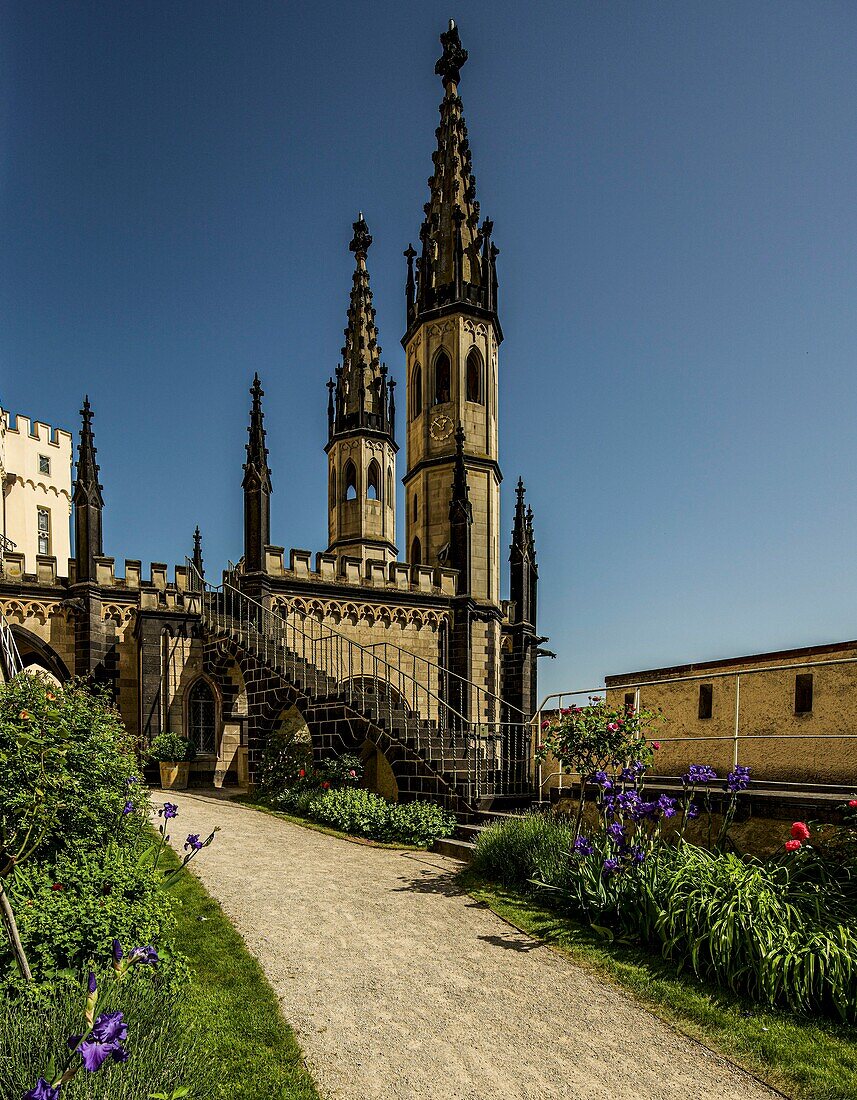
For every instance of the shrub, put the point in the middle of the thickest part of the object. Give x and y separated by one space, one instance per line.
70 911
514 852
171 748
361 813
67 748
165 1051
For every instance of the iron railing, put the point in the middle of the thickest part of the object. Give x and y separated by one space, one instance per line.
417 702
737 735
10 659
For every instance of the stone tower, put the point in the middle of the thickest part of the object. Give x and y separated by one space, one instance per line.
452 487
361 447
451 346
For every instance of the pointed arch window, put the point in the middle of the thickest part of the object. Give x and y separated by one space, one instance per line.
333 487
442 378
202 717
350 481
389 486
475 391
416 552
373 481
416 392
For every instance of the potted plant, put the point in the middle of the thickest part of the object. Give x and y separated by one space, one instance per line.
174 755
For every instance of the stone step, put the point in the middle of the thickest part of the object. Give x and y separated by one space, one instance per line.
458 849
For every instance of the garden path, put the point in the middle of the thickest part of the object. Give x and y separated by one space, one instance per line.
399 985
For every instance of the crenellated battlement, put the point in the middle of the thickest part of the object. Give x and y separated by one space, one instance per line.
333 569
37 430
47 575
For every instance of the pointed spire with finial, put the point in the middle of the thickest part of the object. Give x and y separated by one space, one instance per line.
359 398
455 263
257 486
87 501
519 530
197 552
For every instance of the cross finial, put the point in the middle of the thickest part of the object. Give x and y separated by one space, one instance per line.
362 237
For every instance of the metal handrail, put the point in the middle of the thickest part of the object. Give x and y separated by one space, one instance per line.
735 737
473 753
10 658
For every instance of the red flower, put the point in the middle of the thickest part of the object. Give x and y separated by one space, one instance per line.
58 886
800 831
792 845
325 785
302 773
656 744
546 725
853 803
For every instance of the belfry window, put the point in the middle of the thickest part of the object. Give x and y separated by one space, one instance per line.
416 392
43 523
474 377
416 552
202 717
373 481
442 375
350 480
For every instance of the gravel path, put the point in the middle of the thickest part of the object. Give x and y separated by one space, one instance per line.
400 986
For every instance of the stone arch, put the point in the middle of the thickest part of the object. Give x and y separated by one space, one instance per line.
475 387
349 481
442 378
37 655
373 481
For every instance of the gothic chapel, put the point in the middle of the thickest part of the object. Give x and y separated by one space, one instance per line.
407 655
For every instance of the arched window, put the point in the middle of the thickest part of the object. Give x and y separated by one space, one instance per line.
202 717
389 486
332 487
373 481
416 392
415 508
416 552
474 377
350 481
442 375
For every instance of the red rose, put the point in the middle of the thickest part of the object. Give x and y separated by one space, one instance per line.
800 831
656 744
853 803
325 785
302 773
792 845
57 886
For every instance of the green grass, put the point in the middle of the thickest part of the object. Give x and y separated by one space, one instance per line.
305 823
802 1057
229 999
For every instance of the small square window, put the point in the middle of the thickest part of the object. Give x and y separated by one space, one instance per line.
44 464
706 700
803 693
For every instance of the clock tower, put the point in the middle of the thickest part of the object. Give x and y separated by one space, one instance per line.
451 347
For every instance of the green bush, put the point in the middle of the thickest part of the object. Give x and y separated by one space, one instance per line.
69 911
165 1052
514 852
361 813
67 748
171 748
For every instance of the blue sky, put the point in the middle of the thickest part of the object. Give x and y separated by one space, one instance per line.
672 187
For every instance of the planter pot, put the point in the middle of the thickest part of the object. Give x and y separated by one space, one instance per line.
175 774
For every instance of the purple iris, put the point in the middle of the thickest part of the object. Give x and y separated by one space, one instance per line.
611 866
91 984
638 855
146 956
692 811
634 771
629 801
128 808
170 810
738 779
602 779
42 1091
645 809
666 805
131 780
698 773
193 842
616 831
583 846
117 951
105 1041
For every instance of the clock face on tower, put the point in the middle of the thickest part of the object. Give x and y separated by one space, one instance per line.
441 427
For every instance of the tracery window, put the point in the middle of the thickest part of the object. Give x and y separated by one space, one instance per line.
202 717
442 376
373 481
350 480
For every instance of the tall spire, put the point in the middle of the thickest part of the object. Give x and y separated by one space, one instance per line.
197 552
87 501
523 571
519 530
457 259
257 486
360 397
